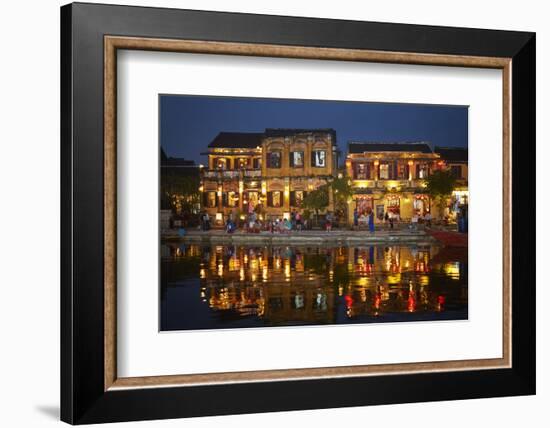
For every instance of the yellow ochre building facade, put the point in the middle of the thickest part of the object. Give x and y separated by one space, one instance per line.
274 169
390 177
277 168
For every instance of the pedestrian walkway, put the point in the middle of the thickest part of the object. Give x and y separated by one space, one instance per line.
306 236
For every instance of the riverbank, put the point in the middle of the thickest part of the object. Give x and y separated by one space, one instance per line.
302 237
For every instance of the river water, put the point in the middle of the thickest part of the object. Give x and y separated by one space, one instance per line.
239 286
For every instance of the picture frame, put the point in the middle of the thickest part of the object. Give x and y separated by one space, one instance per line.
91 391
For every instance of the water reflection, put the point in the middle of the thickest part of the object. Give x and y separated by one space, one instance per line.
221 286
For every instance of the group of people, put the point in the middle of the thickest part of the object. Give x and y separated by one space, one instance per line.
286 225
296 222
253 224
391 219
419 218
365 218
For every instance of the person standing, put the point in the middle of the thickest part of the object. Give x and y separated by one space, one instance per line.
355 217
414 221
328 222
371 222
206 221
428 219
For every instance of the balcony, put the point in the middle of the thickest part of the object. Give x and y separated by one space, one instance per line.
388 184
253 173
210 174
231 174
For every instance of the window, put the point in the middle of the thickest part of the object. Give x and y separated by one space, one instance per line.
319 158
220 163
297 159
296 198
384 171
274 160
232 199
211 201
276 199
362 171
242 163
422 171
456 171
257 163
403 171
252 199
364 205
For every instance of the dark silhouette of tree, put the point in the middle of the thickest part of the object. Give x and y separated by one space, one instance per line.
440 185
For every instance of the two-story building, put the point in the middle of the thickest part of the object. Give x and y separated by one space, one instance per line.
274 170
389 177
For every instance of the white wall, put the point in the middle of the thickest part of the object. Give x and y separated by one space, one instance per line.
29 238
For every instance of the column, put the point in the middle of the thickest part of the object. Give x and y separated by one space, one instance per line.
241 191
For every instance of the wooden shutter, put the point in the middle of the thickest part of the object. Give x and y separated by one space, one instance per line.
291 159
293 198
269 199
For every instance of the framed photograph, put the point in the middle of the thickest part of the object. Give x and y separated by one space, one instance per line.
266 213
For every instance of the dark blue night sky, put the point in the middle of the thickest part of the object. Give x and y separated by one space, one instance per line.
189 123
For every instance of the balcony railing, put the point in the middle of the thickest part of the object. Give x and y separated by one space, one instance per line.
231 174
253 173
210 174
384 183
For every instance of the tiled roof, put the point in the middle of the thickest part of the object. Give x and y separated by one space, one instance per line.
362 147
237 140
284 132
170 161
453 154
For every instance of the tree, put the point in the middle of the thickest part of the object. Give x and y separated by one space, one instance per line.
180 192
341 193
316 200
440 185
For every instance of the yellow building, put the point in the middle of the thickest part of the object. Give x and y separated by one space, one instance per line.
389 178
274 170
